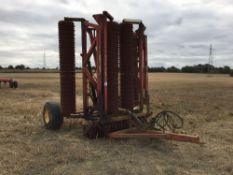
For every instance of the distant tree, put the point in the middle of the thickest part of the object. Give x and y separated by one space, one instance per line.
173 69
207 68
1 67
156 69
10 67
231 74
226 70
189 69
200 68
21 66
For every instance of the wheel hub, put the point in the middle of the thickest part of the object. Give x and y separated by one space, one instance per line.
46 116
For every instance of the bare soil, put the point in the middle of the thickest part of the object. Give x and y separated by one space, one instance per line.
204 102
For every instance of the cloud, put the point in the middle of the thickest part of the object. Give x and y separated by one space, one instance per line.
178 21
179 32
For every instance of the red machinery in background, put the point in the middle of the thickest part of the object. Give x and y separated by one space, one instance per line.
114 80
12 83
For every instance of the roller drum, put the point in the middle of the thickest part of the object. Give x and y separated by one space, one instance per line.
128 66
113 66
67 66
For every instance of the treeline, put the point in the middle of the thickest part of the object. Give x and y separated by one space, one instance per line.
20 67
23 67
200 68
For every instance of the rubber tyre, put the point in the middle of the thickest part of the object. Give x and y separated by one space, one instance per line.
15 84
52 116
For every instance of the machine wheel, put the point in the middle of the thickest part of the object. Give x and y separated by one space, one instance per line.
15 84
52 116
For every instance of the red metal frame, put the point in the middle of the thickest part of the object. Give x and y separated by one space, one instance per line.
5 81
88 77
96 82
146 88
135 133
143 67
98 37
98 48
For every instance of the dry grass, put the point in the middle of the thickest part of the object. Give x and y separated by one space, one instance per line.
204 102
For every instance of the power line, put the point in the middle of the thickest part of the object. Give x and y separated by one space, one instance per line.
44 60
210 62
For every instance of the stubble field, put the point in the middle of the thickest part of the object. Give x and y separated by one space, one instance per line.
205 103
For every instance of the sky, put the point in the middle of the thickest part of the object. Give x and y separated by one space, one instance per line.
179 31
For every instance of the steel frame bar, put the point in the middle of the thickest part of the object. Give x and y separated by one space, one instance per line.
92 38
88 76
98 48
102 43
141 70
5 80
143 66
135 133
85 85
99 71
146 89
90 51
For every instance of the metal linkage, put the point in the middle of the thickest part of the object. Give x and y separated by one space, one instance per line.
135 133
156 128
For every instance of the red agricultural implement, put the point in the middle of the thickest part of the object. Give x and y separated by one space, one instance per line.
11 83
114 82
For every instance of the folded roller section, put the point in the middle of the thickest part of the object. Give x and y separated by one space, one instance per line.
67 66
128 66
113 66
